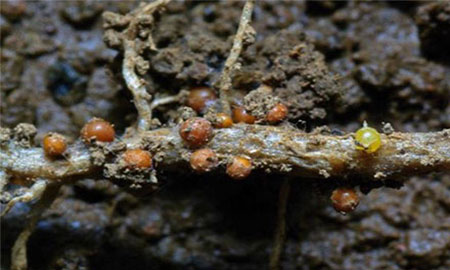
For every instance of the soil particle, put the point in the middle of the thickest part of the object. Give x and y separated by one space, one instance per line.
390 74
24 134
433 20
5 28
95 191
100 151
353 96
98 157
167 62
185 113
414 249
99 101
11 68
111 39
387 128
82 13
20 110
67 86
258 102
326 37
50 117
71 260
30 43
5 135
323 7
298 74
193 55
13 9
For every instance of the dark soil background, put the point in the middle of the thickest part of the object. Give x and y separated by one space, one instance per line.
380 62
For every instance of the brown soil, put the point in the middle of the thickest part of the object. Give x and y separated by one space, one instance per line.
331 63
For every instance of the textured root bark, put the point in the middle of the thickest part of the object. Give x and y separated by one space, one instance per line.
273 149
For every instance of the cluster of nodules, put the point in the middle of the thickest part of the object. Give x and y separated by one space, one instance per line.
97 131
368 141
196 132
202 98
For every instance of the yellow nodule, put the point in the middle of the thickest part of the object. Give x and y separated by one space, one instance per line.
367 139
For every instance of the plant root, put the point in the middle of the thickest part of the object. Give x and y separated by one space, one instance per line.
19 250
244 36
280 230
276 149
180 97
132 41
32 193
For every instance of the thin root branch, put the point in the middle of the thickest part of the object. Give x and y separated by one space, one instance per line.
133 40
136 86
230 64
167 100
280 231
19 250
151 7
34 192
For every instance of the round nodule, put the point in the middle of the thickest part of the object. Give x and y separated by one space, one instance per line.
99 130
240 115
54 144
196 131
277 113
223 120
344 200
367 139
204 160
137 158
200 98
239 168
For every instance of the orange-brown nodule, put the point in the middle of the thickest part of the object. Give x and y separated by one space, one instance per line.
277 113
54 144
223 120
204 160
196 131
239 168
137 158
344 200
240 115
99 130
200 98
